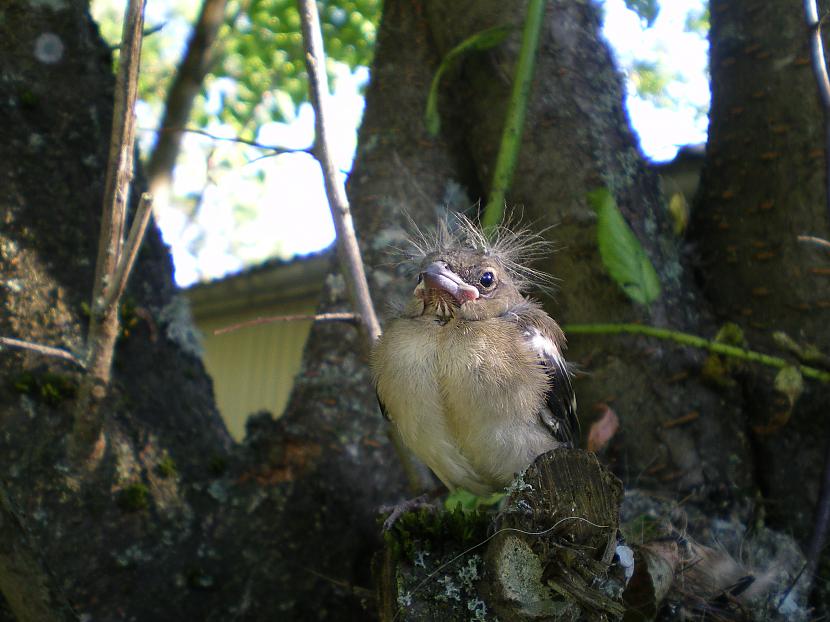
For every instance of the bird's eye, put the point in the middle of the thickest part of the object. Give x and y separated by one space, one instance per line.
487 279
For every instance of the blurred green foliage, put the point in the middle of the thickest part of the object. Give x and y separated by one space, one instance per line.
650 78
261 50
646 9
698 21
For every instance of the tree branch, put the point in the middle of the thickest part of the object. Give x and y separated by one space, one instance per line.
821 242
125 264
316 317
41 349
104 324
822 79
235 139
347 248
696 342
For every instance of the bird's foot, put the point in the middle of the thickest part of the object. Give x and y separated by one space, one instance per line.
410 505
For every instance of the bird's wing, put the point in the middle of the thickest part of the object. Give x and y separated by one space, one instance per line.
383 410
559 415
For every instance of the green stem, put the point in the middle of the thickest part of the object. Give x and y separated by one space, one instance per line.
696 342
511 137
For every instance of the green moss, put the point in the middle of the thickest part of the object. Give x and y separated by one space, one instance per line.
166 468
134 498
48 387
24 383
431 530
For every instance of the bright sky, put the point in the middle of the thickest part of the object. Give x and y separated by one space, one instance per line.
291 213
294 216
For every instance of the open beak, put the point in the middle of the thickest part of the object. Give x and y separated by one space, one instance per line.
438 276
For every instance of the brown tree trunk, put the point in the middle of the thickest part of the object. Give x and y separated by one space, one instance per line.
763 185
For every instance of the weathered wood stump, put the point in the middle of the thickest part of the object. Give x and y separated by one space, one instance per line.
555 552
539 559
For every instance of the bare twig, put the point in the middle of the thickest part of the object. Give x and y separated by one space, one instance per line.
125 264
814 240
104 324
822 79
41 349
822 518
314 317
347 248
233 139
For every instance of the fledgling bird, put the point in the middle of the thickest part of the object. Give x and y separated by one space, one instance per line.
471 371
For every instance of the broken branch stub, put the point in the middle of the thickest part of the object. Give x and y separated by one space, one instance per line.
557 539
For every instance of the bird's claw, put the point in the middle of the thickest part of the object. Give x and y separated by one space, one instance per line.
399 509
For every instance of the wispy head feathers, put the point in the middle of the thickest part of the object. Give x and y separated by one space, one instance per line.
515 248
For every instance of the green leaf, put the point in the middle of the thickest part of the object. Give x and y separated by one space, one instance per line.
478 42
621 252
467 502
790 382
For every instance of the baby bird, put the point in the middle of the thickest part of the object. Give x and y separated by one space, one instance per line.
471 372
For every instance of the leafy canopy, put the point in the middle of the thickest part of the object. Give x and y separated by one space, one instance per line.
261 51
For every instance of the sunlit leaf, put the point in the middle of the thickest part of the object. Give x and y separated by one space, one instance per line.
480 41
679 212
697 21
621 251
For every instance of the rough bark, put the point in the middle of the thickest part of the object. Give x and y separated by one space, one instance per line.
764 184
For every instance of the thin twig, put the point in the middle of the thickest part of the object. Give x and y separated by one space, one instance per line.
815 240
819 62
318 317
232 139
347 247
41 349
511 137
104 324
697 342
822 80
125 264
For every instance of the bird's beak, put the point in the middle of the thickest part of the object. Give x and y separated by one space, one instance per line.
438 276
